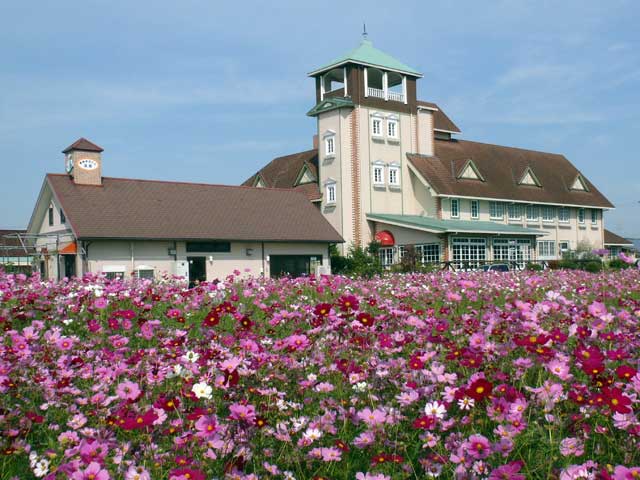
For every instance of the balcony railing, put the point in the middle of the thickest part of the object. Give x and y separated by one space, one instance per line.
379 93
396 96
375 92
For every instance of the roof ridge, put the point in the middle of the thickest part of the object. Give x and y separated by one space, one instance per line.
184 183
502 146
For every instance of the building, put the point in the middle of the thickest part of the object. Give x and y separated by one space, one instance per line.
16 254
84 222
390 167
617 244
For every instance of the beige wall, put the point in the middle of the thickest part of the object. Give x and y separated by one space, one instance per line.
425 132
126 256
572 231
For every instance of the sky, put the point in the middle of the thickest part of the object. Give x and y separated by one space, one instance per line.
210 91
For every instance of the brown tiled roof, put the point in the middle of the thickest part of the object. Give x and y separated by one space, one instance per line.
148 209
502 168
10 245
440 119
611 238
83 144
282 172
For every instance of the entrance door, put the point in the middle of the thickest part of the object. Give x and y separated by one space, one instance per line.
291 265
69 266
197 270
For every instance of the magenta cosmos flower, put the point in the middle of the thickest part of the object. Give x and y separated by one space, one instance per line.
93 472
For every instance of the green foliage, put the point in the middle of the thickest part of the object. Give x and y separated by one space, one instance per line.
618 264
534 267
359 262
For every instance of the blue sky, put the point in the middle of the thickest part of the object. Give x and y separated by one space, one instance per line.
210 91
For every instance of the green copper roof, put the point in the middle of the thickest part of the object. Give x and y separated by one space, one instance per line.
330 103
367 54
467 226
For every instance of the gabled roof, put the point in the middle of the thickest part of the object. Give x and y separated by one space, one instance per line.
367 54
437 225
282 172
579 184
468 171
441 122
614 239
84 145
331 103
147 209
529 178
502 167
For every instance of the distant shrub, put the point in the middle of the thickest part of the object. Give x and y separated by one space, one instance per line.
618 264
534 267
593 266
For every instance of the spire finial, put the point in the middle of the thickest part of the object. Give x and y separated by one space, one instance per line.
364 31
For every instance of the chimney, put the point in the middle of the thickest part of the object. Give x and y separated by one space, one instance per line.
83 162
315 142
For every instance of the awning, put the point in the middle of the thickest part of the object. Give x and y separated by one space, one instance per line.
436 225
385 238
69 249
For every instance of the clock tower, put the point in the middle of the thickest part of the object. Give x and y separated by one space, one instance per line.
83 162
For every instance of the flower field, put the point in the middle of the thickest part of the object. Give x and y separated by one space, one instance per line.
468 376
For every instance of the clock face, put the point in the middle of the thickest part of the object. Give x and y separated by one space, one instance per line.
88 164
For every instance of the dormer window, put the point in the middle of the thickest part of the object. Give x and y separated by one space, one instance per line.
469 171
579 184
63 219
529 178
51 216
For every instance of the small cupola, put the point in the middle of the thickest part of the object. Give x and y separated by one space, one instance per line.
83 162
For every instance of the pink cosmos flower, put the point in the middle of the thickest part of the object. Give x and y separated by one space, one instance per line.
93 472
242 412
206 426
478 447
571 446
372 417
371 476
624 473
507 472
136 473
128 390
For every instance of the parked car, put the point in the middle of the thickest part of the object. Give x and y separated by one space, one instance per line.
495 267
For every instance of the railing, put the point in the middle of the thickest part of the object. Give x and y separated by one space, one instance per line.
375 92
396 96
378 93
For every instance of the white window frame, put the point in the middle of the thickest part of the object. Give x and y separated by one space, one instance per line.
145 268
496 210
394 169
392 122
386 256
548 218
428 253
563 246
514 212
469 252
546 249
581 216
594 216
532 213
331 193
376 131
330 146
561 217
456 202
475 212
377 174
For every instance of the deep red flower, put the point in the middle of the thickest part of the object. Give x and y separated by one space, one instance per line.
618 402
322 309
365 319
348 303
426 422
189 473
479 389
625 372
415 363
342 445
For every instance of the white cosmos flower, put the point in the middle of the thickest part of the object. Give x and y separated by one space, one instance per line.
202 390
41 468
435 409
466 403
191 356
312 434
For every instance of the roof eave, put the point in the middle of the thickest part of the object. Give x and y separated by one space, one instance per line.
366 64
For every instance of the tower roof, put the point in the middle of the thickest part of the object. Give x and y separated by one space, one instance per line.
367 54
83 144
